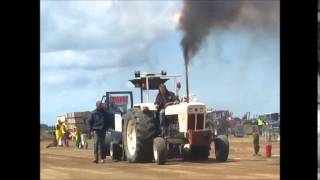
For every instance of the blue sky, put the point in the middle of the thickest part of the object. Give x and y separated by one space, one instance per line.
88 48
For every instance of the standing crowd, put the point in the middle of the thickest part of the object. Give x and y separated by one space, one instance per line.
63 135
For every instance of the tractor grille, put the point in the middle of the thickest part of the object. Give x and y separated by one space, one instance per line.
191 121
200 121
195 120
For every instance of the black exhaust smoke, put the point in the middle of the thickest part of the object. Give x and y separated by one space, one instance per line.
200 17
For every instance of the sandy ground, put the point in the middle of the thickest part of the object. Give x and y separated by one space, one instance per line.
72 163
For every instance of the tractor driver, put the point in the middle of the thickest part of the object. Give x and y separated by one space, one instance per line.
164 96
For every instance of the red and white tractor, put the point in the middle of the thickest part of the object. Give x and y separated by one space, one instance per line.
187 136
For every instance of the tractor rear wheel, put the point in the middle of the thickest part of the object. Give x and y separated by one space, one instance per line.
221 144
138 134
159 150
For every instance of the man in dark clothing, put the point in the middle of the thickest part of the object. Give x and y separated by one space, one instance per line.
98 123
256 145
164 96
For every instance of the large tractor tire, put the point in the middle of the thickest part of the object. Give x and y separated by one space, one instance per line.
221 144
159 150
138 134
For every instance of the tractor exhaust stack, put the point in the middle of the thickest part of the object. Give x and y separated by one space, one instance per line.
187 84
186 61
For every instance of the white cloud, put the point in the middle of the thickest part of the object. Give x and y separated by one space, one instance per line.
56 79
83 41
97 24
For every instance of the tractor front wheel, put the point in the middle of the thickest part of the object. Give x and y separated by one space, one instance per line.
221 144
159 150
115 151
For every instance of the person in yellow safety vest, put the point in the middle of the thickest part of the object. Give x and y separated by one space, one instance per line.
59 133
260 125
65 134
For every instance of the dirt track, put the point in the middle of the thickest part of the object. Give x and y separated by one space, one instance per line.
71 163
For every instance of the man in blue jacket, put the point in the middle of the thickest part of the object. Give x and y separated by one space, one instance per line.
164 96
98 123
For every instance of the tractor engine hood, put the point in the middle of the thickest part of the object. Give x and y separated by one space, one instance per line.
182 108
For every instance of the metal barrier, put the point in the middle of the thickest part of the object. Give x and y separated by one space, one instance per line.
271 134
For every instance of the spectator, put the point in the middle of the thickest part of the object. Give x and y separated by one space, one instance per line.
65 134
59 133
260 125
99 123
78 138
256 145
